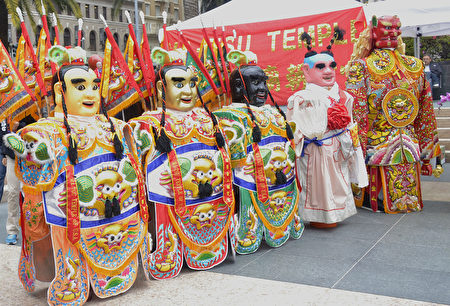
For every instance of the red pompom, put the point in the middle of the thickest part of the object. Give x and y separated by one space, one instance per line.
338 117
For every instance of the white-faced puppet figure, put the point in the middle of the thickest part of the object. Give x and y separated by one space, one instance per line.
329 156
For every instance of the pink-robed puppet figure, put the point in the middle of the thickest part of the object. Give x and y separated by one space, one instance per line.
327 147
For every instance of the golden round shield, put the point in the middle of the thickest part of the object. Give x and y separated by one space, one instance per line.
400 107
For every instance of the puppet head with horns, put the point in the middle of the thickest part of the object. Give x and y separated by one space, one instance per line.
319 68
248 81
77 92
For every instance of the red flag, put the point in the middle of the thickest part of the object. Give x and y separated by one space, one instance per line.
46 67
199 63
222 59
216 64
55 27
14 93
35 63
137 52
135 66
119 89
147 55
80 33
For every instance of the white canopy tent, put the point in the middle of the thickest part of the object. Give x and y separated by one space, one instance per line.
419 18
250 11
429 18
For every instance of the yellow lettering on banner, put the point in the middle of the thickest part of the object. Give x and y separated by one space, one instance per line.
273 83
230 38
247 47
295 77
274 37
311 33
353 32
287 39
320 35
339 42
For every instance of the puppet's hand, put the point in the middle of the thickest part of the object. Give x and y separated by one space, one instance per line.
426 169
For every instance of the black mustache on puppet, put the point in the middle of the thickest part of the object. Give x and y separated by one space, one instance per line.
204 190
280 177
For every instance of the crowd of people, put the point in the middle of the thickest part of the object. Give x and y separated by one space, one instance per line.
187 183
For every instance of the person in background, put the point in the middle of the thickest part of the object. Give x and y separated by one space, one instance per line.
433 72
3 130
12 223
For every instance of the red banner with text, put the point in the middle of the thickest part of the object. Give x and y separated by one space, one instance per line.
279 48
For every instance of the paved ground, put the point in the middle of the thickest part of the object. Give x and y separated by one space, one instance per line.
371 258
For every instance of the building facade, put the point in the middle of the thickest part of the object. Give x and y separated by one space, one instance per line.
94 35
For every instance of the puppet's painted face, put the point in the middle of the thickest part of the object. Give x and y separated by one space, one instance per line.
322 74
82 94
385 31
181 90
255 82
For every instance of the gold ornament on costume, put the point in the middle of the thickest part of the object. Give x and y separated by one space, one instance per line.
400 107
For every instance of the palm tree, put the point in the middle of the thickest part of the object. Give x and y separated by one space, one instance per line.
8 7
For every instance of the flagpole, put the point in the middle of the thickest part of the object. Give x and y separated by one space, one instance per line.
165 40
55 27
136 18
80 29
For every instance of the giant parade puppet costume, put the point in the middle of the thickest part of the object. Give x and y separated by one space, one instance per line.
394 111
84 196
329 154
188 173
263 158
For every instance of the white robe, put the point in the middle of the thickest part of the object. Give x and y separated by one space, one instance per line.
326 172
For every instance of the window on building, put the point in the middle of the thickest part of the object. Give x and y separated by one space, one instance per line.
102 37
92 41
125 39
147 9
104 13
157 10
9 33
38 32
18 34
120 16
69 11
176 15
116 38
76 36
52 34
112 14
96 11
67 38
86 11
